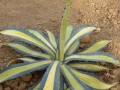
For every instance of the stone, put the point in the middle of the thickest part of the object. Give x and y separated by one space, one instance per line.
7 88
114 88
111 10
82 46
31 83
26 77
103 63
112 76
107 74
85 39
16 88
1 87
22 86
113 72
97 31
12 83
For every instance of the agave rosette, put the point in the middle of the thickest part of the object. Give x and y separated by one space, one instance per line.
56 57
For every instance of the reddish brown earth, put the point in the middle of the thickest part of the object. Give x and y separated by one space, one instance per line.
46 15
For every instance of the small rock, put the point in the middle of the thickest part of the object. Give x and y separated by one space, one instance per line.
7 88
112 76
107 74
97 31
35 79
85 39
12 83
114 88
82 46
26 77
111 10
113 72
103 63
36 76
1 88
109 16
22 86
97 11
16 88
31 83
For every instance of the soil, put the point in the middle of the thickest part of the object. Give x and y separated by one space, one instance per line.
46 15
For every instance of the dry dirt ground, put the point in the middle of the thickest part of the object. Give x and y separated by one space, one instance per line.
46 15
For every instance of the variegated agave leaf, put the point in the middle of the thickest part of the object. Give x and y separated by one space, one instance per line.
58 58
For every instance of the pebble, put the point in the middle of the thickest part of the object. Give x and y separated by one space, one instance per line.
26 77
31 83
111 10
103 63
97 31
16 88
112 72
1 87
114 88
12 83
22 86
82 46
7 88
112 76
107 74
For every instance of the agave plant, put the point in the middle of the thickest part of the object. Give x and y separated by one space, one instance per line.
65 69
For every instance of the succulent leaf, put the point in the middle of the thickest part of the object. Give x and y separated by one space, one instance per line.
69 32
27 59
50 78
96 46
42 37
88 67
87 79
20 59
77 35
61 73
63 28
72 80
23 49
94 57
27 37
17 70
75 46
52 39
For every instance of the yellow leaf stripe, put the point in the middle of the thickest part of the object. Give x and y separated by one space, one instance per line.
27 59
49 85
88 67
68 32
50 78
52 39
